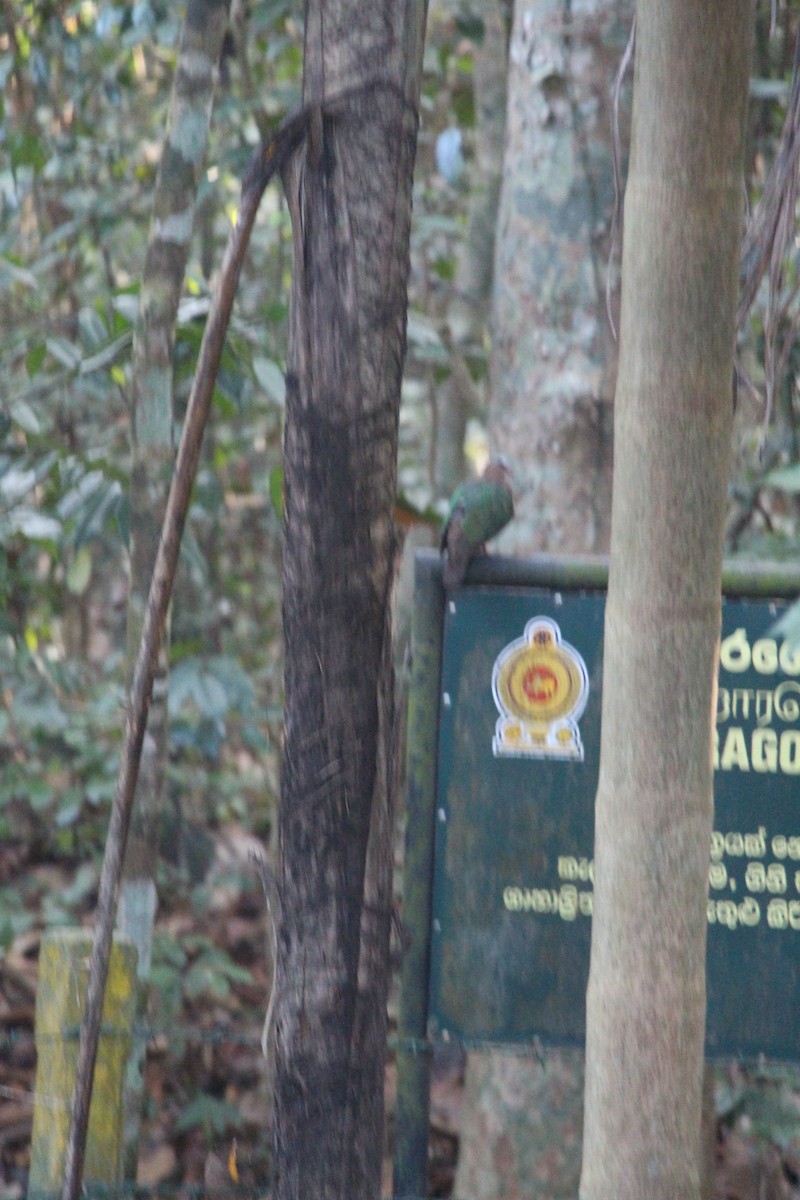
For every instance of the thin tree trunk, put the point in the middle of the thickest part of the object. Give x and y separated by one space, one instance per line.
349 191
553 367
179 174
673 416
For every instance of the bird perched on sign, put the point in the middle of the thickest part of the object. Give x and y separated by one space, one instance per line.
479 509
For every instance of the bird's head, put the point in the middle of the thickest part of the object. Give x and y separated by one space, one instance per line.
498 470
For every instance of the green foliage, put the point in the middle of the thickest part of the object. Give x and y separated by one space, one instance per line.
166 976
190 969
762 1101
59 908
58 741
203 694
15 918
214 1117
85 91
212 970
787 479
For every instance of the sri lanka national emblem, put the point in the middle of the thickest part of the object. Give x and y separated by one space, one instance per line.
540 686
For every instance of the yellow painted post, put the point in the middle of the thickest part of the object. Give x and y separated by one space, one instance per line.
63 977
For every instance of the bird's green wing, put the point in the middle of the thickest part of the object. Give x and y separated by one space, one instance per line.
485 508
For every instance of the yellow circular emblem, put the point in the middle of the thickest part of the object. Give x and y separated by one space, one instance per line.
540 686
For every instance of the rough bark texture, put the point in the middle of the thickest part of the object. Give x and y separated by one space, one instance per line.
522 1126
349 190
466 315
553 357
179 174
553 368
683 220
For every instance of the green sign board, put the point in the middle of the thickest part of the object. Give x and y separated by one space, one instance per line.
519 751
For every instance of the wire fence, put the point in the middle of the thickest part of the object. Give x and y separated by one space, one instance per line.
131 1191
257 1153
221 1035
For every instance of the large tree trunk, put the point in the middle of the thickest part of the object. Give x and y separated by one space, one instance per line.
683 219
466 314
349 189
553 357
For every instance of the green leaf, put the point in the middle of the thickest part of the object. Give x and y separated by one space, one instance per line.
168 951
6 935
126 305
40 795
26 150
79 571
100 791
423 333
64 352
212 975
470 26
93 328
15 483
785 478
276 491
25 417
68 814
34 359
215 686
34 525
209 695
271 379
11 272
106 355
445 268
214 1116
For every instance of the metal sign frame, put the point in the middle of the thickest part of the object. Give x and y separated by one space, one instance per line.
414 1043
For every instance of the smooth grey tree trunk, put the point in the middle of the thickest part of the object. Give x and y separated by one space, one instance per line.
673 419
553 354
467 311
